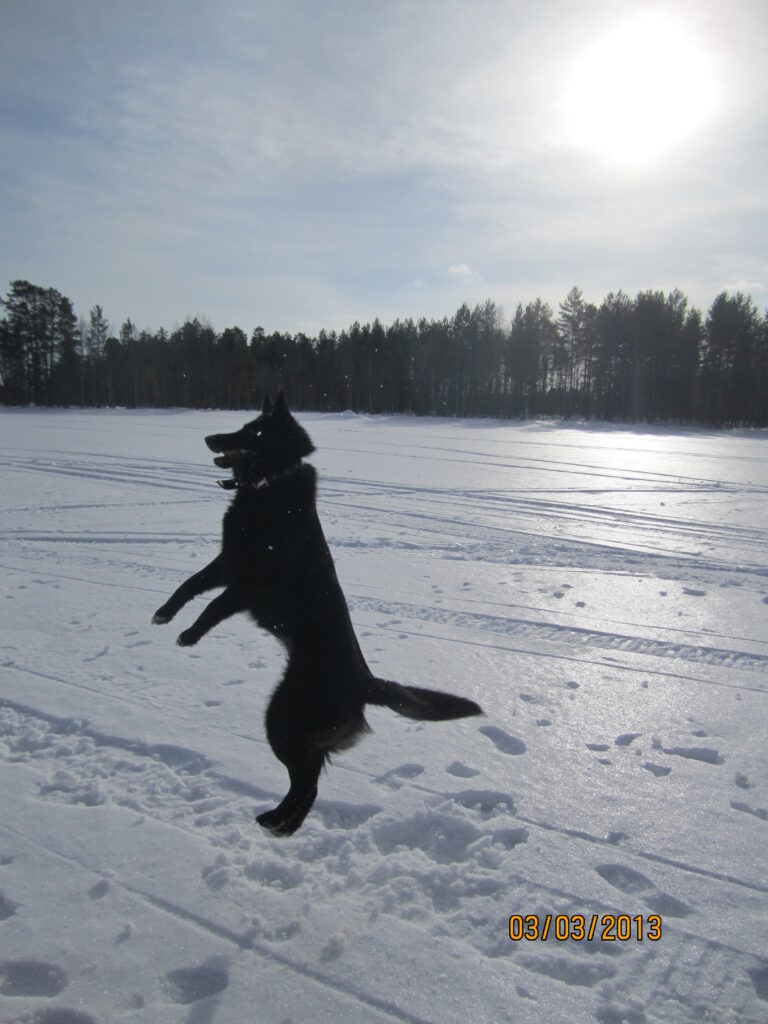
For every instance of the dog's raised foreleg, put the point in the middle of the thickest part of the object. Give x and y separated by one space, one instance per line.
206 579
229 603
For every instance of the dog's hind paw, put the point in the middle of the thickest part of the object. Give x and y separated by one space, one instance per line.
160 618
276 823
186 639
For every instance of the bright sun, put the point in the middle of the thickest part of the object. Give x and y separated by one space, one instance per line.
638 91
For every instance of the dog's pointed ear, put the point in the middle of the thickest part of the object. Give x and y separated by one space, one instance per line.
266 409
281 406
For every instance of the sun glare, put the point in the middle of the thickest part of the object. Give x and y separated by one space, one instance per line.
638 91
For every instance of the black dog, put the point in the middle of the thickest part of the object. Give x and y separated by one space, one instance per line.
275 564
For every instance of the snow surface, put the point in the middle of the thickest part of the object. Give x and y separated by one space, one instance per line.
603 593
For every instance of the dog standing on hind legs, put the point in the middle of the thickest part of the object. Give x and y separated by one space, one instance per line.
275 565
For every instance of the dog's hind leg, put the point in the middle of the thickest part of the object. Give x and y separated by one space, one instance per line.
206 579
220 608
284 819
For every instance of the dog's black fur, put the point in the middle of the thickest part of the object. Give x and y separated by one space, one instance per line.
275 564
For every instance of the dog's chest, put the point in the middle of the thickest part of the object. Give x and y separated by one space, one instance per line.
263 527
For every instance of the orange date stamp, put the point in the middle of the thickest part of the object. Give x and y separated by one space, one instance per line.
581 927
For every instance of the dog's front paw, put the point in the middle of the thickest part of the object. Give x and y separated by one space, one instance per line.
186 639
161 616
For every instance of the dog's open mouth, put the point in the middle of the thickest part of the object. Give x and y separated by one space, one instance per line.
229 459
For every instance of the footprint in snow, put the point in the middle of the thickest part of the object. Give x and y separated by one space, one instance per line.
488 802
757 812
509 838
626 738
443 837
660 771
461 770
31 978
667 906
706 754
336 814
67 788
567 970
625 879
283 932
98 891
216 875
187 985
739 780
57 1015
694 593
759 978
102 653
7 907
610 1014
632 882
397 776
503 741
333 949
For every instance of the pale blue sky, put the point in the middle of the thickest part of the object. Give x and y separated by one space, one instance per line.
301 164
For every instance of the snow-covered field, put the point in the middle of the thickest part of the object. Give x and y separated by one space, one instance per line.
602 593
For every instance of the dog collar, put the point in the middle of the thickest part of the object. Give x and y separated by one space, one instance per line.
266 481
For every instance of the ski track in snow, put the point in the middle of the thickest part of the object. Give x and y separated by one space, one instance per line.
432 851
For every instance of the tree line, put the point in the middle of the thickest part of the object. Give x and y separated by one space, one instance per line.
651 358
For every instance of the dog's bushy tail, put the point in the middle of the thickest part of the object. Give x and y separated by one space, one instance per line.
414 702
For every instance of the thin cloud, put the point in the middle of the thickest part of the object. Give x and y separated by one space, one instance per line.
284 164
746 286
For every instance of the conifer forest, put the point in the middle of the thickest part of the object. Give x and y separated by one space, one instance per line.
648 358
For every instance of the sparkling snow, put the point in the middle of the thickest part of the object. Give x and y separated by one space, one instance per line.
603 593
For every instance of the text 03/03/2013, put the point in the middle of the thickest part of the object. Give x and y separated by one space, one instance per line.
578 927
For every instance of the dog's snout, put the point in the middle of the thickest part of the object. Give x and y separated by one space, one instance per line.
213 442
